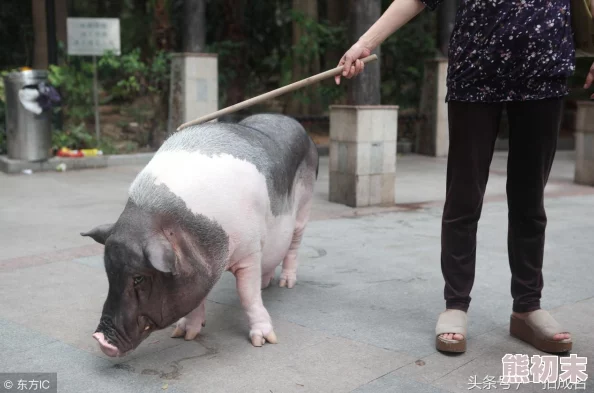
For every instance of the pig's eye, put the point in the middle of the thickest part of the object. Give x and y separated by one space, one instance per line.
138 280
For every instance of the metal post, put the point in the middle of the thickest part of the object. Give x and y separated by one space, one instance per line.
96 95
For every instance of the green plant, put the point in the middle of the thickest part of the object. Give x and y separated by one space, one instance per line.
2 142
75 81
74 138
403 58
2 113
320 38
125 77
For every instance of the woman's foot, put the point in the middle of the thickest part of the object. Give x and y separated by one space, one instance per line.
452 336
451 331
557 337
539 329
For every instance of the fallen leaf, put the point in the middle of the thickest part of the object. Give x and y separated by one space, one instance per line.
165 387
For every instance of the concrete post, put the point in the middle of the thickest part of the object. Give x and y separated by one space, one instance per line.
363 154
194 87
584 144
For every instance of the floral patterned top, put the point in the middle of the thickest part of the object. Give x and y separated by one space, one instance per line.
509 50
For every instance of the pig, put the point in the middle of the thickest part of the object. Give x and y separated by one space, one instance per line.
215 198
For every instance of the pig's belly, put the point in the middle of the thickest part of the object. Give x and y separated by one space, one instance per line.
277 242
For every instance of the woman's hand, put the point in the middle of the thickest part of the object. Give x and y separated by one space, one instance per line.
353 66
590 79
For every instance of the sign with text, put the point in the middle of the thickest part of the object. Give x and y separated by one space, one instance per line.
93 36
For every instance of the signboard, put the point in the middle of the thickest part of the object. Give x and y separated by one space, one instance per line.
93 36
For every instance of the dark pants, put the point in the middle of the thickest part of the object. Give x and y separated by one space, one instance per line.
473 128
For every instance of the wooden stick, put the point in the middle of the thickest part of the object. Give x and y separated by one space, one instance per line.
272 94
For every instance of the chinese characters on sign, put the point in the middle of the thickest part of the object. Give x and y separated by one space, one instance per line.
93 36
553 372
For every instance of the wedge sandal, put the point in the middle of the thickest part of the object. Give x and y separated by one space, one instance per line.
538 330
451 321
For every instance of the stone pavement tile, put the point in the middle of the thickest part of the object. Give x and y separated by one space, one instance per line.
56 287
52 357
436 365
95 261
303 361
393 382
15 338
115 380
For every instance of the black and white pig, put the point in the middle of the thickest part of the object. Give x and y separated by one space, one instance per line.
215 197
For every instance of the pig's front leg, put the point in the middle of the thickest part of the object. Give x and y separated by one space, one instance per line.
248 274
190 325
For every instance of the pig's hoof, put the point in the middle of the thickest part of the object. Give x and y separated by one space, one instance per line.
187 330
258 338
287 279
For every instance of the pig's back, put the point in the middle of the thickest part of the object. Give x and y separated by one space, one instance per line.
276 145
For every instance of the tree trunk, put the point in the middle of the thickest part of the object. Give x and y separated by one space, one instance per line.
61 19
194 32
162 30
40 59
337 14
235 32
365 89
305 64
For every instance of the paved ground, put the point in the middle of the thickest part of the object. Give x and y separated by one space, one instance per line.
360 319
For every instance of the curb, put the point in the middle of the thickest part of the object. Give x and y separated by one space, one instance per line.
11 166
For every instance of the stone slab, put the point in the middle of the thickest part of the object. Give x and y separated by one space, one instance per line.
393 383
8 165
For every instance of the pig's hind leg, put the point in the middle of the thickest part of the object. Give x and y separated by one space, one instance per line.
190 325
288 276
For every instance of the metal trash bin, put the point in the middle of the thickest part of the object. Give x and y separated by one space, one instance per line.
28 134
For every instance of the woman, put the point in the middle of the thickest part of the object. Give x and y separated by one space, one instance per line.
517 54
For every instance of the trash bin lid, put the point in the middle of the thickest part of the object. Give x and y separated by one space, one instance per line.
28 76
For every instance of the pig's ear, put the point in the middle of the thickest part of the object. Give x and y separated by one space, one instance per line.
160 254
100 233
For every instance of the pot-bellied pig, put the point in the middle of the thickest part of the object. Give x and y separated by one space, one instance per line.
215 197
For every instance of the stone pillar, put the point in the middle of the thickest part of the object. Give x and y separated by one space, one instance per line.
432 134
584 143
194 87
363 154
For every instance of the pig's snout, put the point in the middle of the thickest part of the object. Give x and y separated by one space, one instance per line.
107 348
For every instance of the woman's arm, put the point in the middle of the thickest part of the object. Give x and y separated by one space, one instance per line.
397 15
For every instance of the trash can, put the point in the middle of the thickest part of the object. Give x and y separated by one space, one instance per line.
28 125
